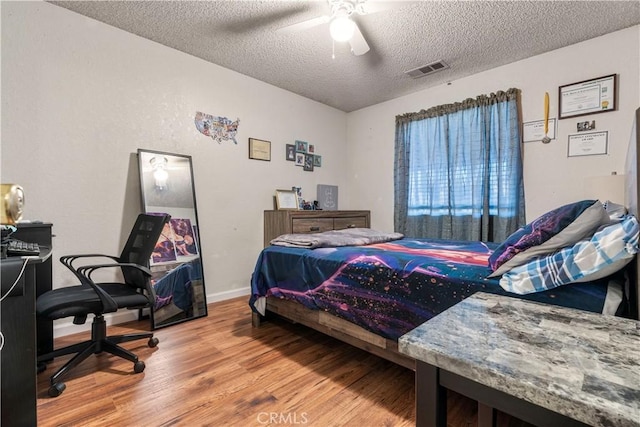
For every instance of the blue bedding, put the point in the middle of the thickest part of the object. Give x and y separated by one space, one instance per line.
391 288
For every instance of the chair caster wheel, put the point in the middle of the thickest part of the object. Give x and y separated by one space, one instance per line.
56 389
138 367
153 342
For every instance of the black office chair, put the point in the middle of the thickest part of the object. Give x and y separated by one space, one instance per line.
100 298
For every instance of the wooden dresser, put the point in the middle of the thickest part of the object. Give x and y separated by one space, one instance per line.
281 222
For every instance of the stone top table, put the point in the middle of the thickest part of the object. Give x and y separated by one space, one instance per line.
553 360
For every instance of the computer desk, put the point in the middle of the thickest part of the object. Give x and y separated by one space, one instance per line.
24 336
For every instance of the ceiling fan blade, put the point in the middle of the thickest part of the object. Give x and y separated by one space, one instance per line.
369 7
359 45
304 25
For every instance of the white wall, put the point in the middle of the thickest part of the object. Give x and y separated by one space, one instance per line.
80 97
551 178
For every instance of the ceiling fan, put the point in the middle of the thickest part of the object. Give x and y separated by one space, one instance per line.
342 27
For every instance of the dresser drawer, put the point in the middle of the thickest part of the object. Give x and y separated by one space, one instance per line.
279 222
355 222
311 225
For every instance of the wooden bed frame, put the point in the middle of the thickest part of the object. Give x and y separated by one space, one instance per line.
337 328
359 337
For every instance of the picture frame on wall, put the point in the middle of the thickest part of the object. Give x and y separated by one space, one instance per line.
301 146
300 159
588 144
290 151
317 161
259 149
588 97
286 200
308 162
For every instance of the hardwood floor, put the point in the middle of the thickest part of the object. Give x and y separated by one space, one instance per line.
220 371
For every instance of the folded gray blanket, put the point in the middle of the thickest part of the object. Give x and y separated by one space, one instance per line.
334 238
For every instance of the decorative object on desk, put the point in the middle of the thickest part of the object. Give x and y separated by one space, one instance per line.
301 146
259 149
327 197
587 97
545 138
12 203
176 262
308 162
290 152
585 126
317 161
298 191
588 144
299 159
286 200
218 128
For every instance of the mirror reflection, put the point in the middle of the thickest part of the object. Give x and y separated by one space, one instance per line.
167 187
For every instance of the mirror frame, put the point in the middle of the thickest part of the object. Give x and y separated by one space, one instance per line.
176 264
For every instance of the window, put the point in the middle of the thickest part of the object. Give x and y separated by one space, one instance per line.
459 170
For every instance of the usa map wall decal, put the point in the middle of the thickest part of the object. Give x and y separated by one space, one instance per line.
218 128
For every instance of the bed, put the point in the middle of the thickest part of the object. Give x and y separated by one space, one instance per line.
369 295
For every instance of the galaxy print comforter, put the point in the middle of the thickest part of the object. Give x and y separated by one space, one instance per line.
391 288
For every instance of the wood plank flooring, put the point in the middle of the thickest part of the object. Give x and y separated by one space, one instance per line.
220 371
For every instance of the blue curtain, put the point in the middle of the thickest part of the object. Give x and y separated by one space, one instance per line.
458 170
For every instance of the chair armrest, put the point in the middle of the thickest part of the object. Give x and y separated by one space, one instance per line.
87 270
84 274
68 260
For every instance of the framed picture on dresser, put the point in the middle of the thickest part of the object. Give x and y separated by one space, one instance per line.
286 199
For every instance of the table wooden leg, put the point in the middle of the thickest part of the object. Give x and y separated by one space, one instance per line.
487 416
431 397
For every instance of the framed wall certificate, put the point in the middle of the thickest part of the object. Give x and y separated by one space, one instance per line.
587 97
259 149
534 131
588 144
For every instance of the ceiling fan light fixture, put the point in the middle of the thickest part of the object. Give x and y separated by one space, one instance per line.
342 28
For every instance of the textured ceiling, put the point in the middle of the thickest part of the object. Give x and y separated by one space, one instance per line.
470 36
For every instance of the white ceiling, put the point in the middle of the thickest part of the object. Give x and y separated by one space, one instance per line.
470 36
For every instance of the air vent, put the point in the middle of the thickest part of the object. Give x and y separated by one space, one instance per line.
427 69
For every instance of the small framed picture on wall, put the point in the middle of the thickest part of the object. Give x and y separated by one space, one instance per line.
259 149
301 146
290 152
308 162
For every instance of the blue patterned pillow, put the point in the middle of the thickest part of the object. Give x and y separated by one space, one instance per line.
609 250
551 231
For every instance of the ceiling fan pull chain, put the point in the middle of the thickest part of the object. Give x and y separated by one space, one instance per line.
333 49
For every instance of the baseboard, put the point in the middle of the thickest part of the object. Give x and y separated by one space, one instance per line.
66 327
225 295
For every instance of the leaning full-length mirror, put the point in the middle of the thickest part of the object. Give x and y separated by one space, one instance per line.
166 182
